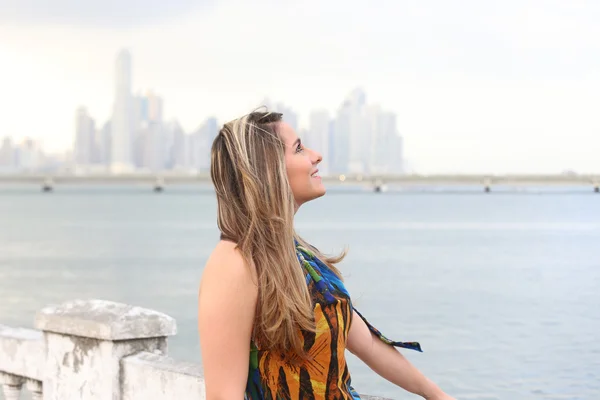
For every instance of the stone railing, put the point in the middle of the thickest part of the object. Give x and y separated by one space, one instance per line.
96 350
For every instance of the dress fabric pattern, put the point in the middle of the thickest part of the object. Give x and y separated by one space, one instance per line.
324 375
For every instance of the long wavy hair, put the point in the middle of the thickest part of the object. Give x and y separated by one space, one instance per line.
256 211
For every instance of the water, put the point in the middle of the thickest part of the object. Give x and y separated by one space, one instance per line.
502 290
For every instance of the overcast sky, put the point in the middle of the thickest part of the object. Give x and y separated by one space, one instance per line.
478 86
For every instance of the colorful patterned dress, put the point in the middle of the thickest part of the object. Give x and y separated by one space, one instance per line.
272 376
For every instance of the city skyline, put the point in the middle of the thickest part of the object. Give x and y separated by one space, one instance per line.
360 138
476 87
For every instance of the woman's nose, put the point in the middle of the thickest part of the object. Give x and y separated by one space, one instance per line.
317 157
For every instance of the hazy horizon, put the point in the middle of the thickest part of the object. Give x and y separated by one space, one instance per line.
511 87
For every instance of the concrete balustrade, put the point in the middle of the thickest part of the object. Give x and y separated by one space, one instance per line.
97 350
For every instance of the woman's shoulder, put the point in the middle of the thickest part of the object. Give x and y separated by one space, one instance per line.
226 262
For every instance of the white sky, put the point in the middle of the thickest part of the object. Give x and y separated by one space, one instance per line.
478 86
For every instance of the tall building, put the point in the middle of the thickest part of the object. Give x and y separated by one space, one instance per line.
349 136
394 144
146 108
176 158
375 141
122 117
340 140
7 155
381 128
397 163
85 132
139 126
319 126
28 155
155 107
365 138
150 139
358 135
152 147
104 143
200 143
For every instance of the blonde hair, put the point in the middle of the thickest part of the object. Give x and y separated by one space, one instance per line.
256 211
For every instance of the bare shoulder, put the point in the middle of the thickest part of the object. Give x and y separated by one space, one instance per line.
226 272
226 263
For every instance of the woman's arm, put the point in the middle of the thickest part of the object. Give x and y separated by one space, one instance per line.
227 302
389 363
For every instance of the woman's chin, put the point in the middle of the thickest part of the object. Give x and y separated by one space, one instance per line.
320 190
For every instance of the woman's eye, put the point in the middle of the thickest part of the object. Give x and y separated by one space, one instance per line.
299 148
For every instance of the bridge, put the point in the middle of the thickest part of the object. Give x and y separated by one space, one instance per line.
159 181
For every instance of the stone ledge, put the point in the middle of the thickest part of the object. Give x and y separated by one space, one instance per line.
164 363
22 352
151 376
104 320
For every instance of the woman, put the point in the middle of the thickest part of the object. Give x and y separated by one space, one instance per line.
274 316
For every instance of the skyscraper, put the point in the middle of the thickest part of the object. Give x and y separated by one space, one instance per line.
155 107
349 137
7 154
150 139
201 142
122 118
385 155
341 140
28 155
105 143
176 158
84 137
358 135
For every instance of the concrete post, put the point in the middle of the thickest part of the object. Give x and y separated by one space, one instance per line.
85 341
11 386
35 388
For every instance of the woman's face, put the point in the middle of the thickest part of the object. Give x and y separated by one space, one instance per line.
301 165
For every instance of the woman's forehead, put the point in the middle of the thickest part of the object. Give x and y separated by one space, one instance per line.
287 133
